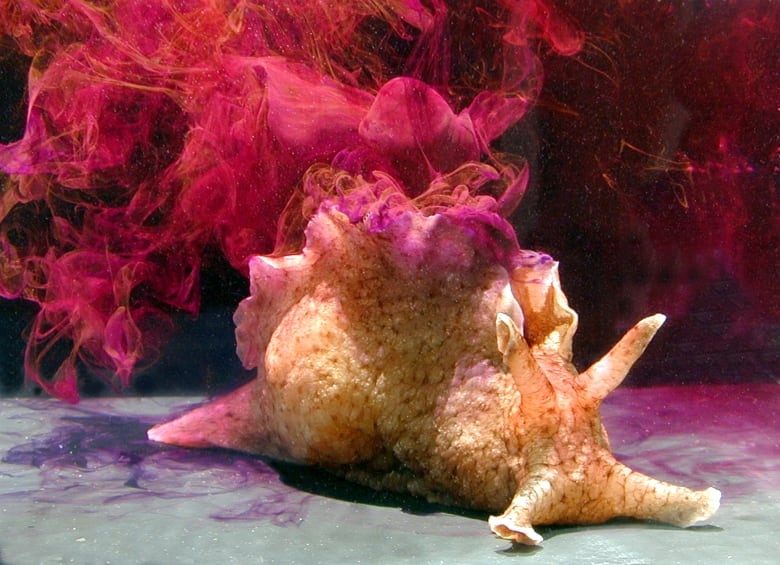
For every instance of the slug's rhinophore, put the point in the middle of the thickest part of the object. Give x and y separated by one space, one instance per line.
413 346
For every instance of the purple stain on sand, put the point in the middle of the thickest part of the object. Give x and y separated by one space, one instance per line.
91 459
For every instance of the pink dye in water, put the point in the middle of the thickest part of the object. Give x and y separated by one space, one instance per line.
157 129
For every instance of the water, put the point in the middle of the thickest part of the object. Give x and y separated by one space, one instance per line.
149 150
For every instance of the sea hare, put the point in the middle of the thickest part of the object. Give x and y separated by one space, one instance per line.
413 346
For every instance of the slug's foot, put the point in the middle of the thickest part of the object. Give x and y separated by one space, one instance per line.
662 502
693 507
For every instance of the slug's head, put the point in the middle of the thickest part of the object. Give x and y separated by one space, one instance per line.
535 328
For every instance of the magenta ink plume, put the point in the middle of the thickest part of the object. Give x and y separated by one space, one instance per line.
156 129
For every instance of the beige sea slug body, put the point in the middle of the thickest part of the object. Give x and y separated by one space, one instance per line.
404 354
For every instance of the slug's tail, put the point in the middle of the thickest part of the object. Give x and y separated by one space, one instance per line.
230 422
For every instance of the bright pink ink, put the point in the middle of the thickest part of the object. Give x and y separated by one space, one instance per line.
156 130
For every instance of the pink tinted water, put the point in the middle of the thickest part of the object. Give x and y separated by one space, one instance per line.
156 129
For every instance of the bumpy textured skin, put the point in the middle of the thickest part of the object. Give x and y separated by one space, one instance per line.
406 358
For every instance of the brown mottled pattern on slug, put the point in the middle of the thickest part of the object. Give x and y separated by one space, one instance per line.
423 366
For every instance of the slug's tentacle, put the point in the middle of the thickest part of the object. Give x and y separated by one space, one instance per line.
607 373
